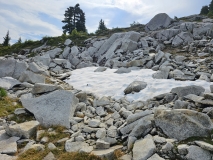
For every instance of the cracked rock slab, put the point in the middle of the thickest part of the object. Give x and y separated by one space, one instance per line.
55 108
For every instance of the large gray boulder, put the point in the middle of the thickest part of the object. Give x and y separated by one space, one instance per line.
55 108
184 38
144 148
182 123
7 67
159 21
184 91
135 86
197 153
31 77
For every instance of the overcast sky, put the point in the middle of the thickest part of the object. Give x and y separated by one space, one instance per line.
34 19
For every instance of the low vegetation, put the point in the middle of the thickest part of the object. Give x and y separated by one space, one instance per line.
59 155
3 92
56 134
8 106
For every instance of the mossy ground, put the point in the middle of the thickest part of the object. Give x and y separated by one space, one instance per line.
8 106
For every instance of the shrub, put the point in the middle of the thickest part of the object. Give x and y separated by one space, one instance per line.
74 33
3 92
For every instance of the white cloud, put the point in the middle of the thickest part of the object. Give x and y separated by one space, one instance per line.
24 17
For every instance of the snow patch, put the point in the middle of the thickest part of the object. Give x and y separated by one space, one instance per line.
108 83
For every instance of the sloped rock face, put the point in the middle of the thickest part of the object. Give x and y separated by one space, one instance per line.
159 21
182 123
124 41
55 108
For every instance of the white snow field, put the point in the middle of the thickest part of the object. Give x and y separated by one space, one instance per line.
108 83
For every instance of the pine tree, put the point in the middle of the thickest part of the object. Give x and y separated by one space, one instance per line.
102 25
204 10
74 19
19 40
6 39
101 28
80 25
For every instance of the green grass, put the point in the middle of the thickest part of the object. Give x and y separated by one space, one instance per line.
3 92
32 154
16 48
7 106
60 152
54 137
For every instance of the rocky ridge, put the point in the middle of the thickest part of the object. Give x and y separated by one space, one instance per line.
159 128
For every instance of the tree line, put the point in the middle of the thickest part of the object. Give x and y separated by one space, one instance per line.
207 9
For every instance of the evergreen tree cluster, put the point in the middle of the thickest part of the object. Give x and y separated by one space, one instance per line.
6 40
207 9
101 28
74 18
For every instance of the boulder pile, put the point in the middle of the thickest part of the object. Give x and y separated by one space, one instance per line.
174 125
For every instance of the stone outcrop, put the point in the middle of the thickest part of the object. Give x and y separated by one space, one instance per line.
55 108
182 124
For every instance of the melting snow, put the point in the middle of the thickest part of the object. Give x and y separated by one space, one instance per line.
108 83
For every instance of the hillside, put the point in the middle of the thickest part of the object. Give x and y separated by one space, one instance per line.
141 92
